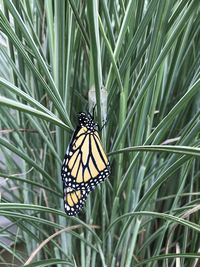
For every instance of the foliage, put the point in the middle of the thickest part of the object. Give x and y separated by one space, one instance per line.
146 55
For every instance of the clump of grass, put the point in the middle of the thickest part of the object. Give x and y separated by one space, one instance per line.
146 55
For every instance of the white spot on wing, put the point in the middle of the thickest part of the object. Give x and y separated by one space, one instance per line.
67 207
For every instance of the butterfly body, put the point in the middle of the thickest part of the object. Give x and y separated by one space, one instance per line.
85 164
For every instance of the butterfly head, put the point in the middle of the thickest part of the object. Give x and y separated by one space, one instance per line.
87 120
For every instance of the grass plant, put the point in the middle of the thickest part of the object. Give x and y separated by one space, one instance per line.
146 55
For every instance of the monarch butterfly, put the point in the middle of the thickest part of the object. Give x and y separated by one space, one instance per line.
85 164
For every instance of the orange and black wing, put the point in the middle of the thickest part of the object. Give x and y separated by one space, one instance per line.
85 164
74 200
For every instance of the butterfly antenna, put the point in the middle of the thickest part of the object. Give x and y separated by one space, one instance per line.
104 124
93 110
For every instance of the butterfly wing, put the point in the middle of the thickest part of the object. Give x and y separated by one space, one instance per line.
85 164
72 158
73 200
97 164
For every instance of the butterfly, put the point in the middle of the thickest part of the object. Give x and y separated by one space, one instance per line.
85 164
